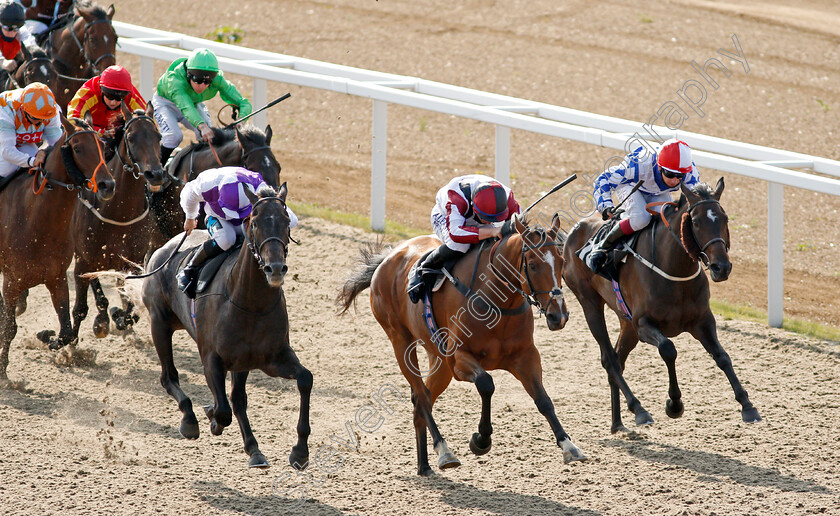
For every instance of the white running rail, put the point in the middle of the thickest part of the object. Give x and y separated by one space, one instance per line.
504 112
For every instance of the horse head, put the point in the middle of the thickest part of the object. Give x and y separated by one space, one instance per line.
140 147
97 35
267 232
37 67
705 228
82 158
256 153
541 270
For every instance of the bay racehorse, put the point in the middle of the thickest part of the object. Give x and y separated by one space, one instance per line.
36 67
108 231
36 241
240 324
247 147
665 292
84 47
491 327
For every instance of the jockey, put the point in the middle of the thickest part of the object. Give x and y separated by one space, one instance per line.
180 96
102 96
12 34
222 190
464 213
28 116
662 172
43 14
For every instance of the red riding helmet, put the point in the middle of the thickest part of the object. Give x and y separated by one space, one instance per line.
115 78
490 202
675 157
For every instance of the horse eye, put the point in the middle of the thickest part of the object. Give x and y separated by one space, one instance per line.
532 267
77 148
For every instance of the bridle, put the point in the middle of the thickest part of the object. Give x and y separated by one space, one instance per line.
79 180
92 64
27 67
555 293
703 256
130 165
257 249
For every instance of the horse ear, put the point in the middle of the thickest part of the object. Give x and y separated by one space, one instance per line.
252 197
150 110
718 188
238 134
27 54
268 135
691 196
110 12
68 126
89 119
282 191
519 224
681 202
125 110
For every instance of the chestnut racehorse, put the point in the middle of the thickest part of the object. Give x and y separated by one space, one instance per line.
108 231
490 328
36 241
663 302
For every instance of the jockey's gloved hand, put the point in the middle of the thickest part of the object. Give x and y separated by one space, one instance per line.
608 213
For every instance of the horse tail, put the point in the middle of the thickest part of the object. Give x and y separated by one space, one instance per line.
130 290
371 256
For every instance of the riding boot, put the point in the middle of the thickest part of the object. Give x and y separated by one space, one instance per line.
188 278
165 152
426 271
598 256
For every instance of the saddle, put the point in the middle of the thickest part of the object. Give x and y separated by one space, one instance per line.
4 182
207 270
434 277
615 256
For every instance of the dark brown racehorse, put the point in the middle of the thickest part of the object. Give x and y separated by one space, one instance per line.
83 48
247 147
240 324
36 67
108 231
696 229
36 242
492 329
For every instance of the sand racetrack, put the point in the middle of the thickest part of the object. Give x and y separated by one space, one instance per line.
92 431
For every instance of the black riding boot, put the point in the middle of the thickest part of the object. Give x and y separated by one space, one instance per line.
426 270
598 257
165 152
188 277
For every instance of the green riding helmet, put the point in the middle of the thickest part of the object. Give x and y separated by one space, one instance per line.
203 59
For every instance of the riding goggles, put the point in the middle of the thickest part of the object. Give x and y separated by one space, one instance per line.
671 174
200 79
114 94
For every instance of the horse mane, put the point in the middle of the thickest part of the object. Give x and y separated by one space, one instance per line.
37 52
222 136
704 191
91 8
266 191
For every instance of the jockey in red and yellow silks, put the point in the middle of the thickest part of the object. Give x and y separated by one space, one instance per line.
101 96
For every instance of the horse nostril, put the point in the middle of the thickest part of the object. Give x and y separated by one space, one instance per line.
285 269
267 269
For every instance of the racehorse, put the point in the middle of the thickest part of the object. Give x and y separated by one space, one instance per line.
665 293
84 47
487 329
248 147
36 242
37 67
106 232
240 324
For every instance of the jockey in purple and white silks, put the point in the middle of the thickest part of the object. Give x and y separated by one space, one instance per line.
662 172
222 190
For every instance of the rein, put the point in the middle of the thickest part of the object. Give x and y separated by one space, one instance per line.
42 175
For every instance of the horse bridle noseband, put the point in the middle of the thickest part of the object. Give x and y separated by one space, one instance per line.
130 165
79 182
703 256
555 293
255 249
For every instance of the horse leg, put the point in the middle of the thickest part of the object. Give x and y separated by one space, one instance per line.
528 370
594 313
124 318
219 414
290 368
706 333
162 337
649 333
627 340
80 307
467 368
21 303
101 323
239 400
406 353
8 324
60 294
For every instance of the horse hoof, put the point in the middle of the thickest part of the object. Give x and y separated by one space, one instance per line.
216 428
299 461
46 336
425 471
448 460
750 415
573 455
258 460
643 418
674 409
619 428
476 448
21 306
101 325
189 430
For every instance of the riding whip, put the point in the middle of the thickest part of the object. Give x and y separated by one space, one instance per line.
275 101
140 276
559 186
